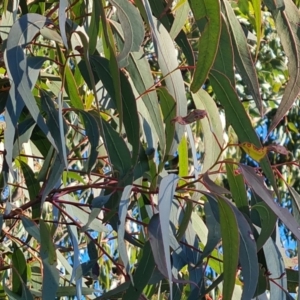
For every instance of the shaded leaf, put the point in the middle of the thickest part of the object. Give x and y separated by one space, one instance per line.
133 28
168 107
119 153
242 56
224 61
19 271
93 134
167 60
268 222
207 15
21 77
238 118
50 273
237 188
63 4
256 182
123 207
288 30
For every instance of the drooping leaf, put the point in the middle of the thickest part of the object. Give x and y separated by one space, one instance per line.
101 69
211 128
288 30
133 28
142 274
20 74
54 176
180 18
19 271
142 78
256 182
48 255
165 197
242 56
168 107
238 117
208 19
224 61
63 4
230 243
268 221
237 189
167 60
93 28
123 207
93 134
33 187
119 153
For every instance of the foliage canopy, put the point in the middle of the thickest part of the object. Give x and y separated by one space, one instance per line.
149 149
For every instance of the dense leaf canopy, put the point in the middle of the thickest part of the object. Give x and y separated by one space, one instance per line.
149 149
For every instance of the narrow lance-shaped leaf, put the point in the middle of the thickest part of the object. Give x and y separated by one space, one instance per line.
48 256
119 153
21 76
133 28
123 207
256 182
93 134
165 197
207 15
63 4
242 56
140 72
167 60
238 118
224 61
288 30
230 243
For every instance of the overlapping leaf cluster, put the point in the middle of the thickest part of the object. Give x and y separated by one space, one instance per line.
114 151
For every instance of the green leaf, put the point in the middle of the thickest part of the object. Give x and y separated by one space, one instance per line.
133 28
237 189
142 274
168 107
93 134
207 16
142 78
118 151
19 271
167 60
242 56
63 5
53 123
238 117
268 222
54 176
258 21
48 255
288 30
93 28
211 128
130 115
180 18
224 61
32 186
20 69
183 159
230 243
68 81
